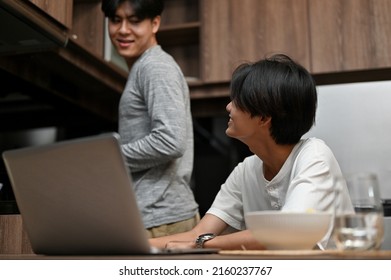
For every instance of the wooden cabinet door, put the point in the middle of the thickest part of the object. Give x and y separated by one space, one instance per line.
234 31
89 26
350 34
61 10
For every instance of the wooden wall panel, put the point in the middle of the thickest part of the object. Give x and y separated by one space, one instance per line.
13 238
247 30
350 34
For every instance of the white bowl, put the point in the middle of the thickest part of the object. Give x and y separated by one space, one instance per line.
278 230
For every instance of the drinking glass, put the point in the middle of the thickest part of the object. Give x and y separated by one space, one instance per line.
363 229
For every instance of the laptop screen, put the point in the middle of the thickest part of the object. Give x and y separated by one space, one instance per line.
76 197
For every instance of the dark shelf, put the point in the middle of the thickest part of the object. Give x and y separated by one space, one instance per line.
366 75
179 34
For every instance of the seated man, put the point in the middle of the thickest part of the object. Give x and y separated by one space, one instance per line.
273 105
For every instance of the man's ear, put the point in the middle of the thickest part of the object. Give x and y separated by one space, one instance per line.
156 24
265 121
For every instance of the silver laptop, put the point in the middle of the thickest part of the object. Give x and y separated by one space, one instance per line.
76 197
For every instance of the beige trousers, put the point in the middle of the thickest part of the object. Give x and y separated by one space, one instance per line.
173 228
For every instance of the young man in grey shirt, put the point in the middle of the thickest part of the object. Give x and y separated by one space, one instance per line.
155 121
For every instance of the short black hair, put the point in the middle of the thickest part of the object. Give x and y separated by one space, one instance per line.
143 8
279 88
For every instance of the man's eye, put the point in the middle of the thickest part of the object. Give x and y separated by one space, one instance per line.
115 20
134 21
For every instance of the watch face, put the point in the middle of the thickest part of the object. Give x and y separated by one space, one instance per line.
203 238
207 235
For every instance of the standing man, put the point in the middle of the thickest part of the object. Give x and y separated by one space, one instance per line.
155 122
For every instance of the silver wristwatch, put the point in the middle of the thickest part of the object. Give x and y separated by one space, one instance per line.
203 238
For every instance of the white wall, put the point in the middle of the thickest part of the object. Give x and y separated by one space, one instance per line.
110 53
355 121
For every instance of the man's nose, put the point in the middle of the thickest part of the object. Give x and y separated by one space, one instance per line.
228 107
124 28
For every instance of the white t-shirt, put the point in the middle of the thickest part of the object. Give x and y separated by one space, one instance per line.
305 181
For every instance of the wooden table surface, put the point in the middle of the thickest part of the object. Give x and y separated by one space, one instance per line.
14 245
224 255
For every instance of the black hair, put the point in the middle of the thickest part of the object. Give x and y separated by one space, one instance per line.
279 88
142 8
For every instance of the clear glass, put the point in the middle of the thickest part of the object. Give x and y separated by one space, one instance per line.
363 229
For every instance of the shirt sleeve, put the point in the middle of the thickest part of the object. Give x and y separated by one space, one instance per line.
228 204
313 178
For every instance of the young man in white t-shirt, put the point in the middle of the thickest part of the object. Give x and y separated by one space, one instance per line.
273 105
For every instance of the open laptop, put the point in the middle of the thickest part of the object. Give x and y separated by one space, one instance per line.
76 197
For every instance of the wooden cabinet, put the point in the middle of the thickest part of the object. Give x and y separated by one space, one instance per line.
350 35
63 61
60 10
83 20
339 41
237 31
211 38
179 35
88 27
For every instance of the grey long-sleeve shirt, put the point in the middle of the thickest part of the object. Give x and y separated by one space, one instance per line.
156 131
